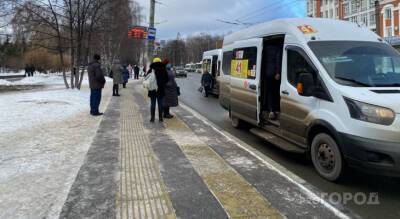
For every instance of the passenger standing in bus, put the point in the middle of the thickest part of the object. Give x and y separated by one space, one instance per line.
273 75
206 82
171 91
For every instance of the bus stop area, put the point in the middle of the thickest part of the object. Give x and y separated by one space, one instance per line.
185 167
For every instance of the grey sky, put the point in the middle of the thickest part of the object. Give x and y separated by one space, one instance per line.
194 16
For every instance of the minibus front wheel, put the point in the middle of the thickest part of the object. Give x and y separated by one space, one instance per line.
326 157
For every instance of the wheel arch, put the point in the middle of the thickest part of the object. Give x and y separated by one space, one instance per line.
322 126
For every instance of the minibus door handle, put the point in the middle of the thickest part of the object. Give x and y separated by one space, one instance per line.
285 92
253 86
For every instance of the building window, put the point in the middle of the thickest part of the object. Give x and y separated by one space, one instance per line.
372 18
353 7
389 32
388 13
346 9
322 14
364 19
364 5
337 12
372 3
331 13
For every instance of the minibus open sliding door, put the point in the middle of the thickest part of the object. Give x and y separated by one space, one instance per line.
245 74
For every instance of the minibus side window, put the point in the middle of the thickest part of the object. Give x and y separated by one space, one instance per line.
226 62
245 62
297 64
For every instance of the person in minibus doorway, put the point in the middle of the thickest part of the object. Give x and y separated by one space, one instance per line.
273 83
206 82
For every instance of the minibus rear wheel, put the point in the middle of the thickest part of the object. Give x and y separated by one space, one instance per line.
326 157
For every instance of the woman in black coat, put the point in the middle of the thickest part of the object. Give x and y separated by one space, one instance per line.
157 96
171 92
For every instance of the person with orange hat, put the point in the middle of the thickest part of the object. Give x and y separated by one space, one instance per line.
157 96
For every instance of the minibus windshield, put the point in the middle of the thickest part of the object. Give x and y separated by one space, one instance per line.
361 64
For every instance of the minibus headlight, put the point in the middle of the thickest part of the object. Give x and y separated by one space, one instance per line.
370 113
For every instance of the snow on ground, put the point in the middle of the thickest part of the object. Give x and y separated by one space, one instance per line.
8 73
39 79
22 110
44 137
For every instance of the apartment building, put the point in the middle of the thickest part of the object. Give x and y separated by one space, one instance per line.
362 12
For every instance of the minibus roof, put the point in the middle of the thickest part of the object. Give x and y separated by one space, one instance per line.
212 52
306 29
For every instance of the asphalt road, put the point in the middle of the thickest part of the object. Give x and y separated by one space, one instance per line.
387 189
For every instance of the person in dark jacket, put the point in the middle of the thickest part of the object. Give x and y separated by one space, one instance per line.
116 72
171 92
136 71
273 80
206 82
96 84
125 76
157 96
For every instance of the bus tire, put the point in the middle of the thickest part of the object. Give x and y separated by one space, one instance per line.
327 157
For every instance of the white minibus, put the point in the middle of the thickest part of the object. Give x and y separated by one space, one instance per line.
338 92
212 63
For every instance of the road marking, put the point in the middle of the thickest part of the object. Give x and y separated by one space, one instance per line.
142 193
236 195
270 164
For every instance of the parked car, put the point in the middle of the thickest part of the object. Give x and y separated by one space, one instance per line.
180 72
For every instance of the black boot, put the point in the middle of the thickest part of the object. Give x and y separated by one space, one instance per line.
153 114
160 115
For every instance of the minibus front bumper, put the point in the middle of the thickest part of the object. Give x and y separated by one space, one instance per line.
370 155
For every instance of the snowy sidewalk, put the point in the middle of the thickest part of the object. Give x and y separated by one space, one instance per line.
44 137
184 168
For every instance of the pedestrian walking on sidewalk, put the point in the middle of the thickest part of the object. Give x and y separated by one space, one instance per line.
171 91
125 75
206 82
157 96
96 84
136 71
116 72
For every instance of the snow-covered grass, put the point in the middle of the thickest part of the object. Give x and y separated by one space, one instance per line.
44 137
40 79
10 73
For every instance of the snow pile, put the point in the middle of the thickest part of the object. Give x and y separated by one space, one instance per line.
36 80
7 73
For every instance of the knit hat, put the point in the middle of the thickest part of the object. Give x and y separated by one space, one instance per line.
156 60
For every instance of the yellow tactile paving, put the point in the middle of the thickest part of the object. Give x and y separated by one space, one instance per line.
142 193
237 196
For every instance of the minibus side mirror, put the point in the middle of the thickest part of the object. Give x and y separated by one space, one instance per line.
305 84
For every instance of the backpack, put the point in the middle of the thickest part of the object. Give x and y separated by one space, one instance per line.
150 82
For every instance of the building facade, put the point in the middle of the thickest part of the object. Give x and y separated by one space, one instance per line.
363 12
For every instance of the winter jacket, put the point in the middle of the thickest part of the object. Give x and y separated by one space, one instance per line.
161 77
96 76
171 91
125 75
206 80
116 70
